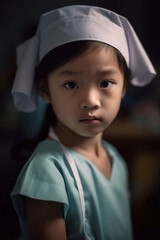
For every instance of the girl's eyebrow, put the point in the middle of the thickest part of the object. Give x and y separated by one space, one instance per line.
108 71
68 72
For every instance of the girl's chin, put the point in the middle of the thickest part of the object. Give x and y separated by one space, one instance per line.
83 130
90 132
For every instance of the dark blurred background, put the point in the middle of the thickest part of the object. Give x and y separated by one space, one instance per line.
135 132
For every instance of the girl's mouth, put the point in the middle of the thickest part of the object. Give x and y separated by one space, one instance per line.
90 120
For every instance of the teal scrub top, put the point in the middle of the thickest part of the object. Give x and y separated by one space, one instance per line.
47 176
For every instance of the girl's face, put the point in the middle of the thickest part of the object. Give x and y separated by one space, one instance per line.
86 93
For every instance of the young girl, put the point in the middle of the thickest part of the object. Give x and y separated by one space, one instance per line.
74 186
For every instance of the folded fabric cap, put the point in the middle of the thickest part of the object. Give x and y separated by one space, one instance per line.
74 23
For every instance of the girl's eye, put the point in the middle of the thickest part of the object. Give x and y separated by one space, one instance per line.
106 84
71 85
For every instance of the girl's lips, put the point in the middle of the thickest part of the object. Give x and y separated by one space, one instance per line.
90 120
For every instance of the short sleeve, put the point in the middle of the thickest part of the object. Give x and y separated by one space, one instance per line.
41 178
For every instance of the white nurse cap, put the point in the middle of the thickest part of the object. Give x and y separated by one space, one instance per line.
74 23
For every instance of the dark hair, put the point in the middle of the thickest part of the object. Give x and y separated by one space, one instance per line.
51 62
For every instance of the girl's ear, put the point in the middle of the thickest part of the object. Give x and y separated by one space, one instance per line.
43 91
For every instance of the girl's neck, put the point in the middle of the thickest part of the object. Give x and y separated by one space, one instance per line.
89 147
85 145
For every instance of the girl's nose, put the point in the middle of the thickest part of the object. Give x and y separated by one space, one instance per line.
90 100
